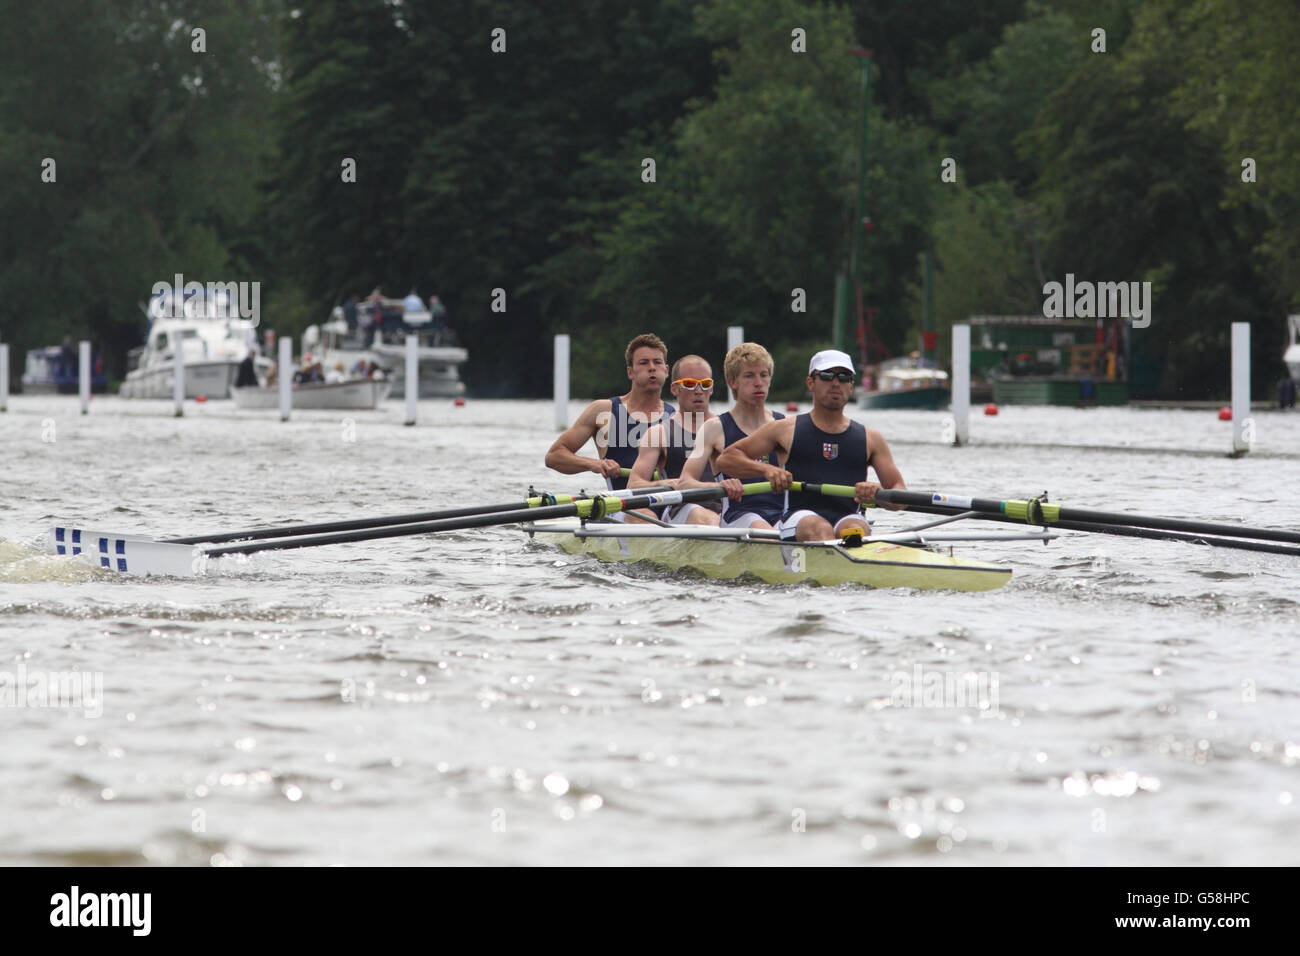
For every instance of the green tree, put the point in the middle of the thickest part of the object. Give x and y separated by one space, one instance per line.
156 147
1134 194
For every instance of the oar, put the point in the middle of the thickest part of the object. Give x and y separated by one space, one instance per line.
1072 519
591 509
1127 532
381 521
129 554
1045 513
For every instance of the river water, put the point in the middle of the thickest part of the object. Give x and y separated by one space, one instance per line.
469 698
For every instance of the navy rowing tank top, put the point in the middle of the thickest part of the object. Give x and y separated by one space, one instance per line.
771 502
679 443
624 434
825 458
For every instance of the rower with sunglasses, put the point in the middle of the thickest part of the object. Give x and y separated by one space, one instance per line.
666 446
822 446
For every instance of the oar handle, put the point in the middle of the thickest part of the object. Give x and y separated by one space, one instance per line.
627 473
815 488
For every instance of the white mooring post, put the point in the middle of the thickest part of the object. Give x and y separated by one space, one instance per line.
961 384
4 378
178 377
412 376
83 375
561 382
735 335
284 373
1243 426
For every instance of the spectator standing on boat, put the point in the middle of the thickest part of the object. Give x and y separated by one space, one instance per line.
666 447
617 424
366 322
247 374
437 319
350 313
412 303
438 312
822 446
748 369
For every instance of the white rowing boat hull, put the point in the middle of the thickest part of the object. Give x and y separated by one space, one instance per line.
876 564
355 394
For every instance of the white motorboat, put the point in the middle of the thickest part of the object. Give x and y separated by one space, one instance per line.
352 394
439 357
210 334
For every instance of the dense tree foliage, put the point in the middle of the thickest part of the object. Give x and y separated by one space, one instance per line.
211 139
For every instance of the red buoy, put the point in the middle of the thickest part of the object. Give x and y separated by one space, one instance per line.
200 398
792 406
458 401
1225 414
991 408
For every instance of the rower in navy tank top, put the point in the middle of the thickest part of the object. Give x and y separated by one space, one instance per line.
768 506
616 425
748 369
624 437
823 446
667 447
826 458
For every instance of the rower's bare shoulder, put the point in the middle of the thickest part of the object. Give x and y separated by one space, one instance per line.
876 442
710 432
654 437
782 428
592 413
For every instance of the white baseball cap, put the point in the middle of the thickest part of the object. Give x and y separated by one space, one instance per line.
830 358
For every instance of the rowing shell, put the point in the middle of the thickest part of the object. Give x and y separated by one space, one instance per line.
729 553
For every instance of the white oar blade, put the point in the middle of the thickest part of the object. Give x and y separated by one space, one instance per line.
127 553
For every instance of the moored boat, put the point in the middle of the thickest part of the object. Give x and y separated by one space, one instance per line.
908 382
354 394
210 335
52 370
438 355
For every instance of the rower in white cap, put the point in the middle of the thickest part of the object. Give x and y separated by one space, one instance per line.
822 446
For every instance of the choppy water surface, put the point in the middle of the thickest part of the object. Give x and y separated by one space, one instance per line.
470 698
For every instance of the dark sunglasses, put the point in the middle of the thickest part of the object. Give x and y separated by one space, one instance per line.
845 377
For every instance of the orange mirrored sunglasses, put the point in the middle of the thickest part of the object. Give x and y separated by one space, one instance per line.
703 384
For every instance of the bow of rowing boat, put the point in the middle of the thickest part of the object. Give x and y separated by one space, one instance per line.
720 553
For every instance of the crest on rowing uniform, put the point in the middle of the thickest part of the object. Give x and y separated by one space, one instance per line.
830 450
